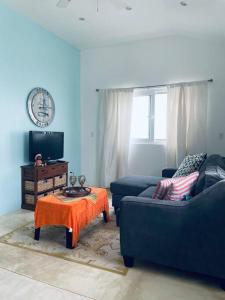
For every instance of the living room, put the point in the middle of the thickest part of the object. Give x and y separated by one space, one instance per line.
83 52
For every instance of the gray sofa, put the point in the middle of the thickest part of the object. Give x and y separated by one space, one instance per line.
188 235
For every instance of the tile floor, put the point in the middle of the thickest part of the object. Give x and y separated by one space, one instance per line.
27 275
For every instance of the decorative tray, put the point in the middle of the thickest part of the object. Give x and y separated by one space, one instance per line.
76 191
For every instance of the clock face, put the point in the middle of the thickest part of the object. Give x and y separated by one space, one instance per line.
41 107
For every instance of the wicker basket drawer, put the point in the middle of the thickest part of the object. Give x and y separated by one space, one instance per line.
30 199
42 185
60 180
58 191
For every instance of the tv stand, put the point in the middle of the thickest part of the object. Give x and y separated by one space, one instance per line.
40 181
51 162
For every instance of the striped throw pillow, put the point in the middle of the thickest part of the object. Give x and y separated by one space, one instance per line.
181 187
163 188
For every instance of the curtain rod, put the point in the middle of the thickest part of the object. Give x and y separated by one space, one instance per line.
160 85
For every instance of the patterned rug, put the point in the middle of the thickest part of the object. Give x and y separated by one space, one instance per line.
98 245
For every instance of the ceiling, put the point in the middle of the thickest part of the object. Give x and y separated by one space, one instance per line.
147 19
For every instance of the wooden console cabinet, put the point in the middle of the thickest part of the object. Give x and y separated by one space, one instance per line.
42 181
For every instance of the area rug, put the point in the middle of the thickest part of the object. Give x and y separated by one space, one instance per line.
98 244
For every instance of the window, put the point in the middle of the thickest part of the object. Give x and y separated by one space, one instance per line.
149 116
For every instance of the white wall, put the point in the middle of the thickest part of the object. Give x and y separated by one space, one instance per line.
157 61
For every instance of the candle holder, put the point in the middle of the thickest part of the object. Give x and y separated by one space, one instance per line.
72 179
81 180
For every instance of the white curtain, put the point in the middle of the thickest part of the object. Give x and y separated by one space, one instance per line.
115 109
186 121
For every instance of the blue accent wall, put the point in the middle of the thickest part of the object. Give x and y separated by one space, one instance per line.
32 57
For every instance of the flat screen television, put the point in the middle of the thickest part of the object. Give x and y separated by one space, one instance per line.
48 143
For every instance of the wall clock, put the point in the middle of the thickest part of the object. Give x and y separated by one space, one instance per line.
41 107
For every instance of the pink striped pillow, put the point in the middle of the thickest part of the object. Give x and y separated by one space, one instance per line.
181 187
162 188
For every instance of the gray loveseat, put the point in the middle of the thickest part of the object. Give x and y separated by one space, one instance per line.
188 235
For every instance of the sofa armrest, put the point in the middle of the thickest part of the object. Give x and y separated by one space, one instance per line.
210 201
142 212
149 226
182 234
168 173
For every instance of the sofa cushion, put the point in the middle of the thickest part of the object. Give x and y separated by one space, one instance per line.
211 171
190 164
148 192
133 185
213 174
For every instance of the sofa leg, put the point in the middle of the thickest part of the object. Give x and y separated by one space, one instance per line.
118 217
117 221
222 284
128 261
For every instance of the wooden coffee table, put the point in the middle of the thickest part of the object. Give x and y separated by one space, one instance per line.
74 214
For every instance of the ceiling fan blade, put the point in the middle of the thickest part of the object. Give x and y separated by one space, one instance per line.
63 3
119 4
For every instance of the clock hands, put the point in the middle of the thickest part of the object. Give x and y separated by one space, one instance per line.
45 107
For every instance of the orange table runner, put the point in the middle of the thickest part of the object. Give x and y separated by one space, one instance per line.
50 210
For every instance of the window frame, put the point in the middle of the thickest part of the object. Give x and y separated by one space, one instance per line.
151 119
